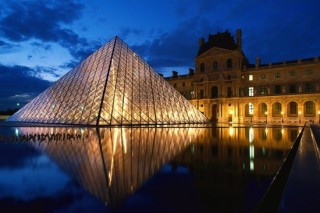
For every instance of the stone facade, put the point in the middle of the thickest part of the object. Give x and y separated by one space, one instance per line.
227 88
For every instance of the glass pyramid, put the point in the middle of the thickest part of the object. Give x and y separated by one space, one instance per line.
113 86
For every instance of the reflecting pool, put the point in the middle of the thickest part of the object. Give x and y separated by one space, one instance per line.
176 169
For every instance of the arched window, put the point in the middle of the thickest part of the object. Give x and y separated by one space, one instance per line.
202 68
263 110
309 109
214 92
215 66
229 63
276 109
293 109
249 110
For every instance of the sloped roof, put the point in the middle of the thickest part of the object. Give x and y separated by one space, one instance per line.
221 40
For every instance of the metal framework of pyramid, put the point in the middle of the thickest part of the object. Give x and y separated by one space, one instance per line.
113 86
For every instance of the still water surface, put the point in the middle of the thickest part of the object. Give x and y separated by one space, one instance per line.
216 169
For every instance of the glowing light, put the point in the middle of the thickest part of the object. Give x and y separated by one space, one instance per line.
251 165
17 132
251 152
231 131
124 140
251 135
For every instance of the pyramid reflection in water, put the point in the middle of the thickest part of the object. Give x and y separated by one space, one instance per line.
113 86
110 163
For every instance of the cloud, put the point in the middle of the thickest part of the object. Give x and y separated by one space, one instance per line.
45 21
126 31
175 48
19 81
40 20
45 46
6 47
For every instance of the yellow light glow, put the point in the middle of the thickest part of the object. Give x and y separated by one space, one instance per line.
251 135
231 131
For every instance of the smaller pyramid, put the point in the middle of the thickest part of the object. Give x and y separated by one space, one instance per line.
113 86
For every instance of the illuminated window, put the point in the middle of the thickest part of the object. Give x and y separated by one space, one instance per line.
250 77
192 94
250 108
251 91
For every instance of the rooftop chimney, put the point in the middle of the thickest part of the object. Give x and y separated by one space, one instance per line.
201 41
258 62
191 71
174 73
239 38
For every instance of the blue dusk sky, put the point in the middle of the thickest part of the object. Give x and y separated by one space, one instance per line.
41 40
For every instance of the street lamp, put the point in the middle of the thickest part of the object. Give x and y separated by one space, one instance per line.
266 113
281 117
299 116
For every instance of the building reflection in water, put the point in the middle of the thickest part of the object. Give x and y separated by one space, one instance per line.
112 163
234 166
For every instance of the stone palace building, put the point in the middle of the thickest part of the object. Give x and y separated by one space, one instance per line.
225 87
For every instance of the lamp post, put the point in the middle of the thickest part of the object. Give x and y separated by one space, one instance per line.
266 113
281 117
299 117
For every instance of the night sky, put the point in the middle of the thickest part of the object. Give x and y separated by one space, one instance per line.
41 40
